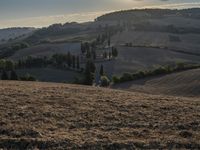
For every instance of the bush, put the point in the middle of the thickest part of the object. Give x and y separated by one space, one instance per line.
139 75
180 66
104 81
159 71
126 77
28 77
115 79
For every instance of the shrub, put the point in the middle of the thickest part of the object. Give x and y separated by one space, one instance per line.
159 71
104 81
115 79
126 77
28 77
139 75
180 66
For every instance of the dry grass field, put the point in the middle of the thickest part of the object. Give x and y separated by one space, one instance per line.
61 116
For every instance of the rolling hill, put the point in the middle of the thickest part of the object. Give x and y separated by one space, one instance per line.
9 34
47 50
185 83
134 59
59 116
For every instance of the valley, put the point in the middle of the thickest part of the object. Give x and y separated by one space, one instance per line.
129 79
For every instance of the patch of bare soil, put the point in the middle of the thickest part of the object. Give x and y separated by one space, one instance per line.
60 116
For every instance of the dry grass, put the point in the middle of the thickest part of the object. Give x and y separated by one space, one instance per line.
59 116
185 83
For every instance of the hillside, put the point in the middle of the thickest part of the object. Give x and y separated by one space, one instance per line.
185 83
10 34
134 59
47 50
61 116
128 15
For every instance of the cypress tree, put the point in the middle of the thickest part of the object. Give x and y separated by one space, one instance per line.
101 71
4 75
69 59
13 75
89 72
88 54
109 41
77 62
109 55
73 61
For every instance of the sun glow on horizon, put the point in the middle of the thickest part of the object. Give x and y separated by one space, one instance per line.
46 20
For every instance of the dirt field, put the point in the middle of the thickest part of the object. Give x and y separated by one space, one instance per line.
59 116
186 83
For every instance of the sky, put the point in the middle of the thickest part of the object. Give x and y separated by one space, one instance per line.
39 13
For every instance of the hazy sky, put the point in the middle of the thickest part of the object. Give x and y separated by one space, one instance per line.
39 13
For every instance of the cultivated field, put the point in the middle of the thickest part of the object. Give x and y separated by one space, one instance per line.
47 50
59 116
186 83
188 42
133 59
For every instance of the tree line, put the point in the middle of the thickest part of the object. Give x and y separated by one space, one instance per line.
57 60
163 70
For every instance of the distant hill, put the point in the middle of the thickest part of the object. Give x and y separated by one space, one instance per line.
60 116
10 34
144 39
128 15
56 31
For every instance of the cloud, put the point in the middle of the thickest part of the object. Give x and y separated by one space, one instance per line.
48 20
85 16
177 5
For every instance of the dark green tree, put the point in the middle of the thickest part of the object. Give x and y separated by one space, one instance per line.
69 59
98 40
88 54
77 62
101 71
13 75
109 41
94 55
114 52
105 55
4 75
89 73
109 55
73 61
